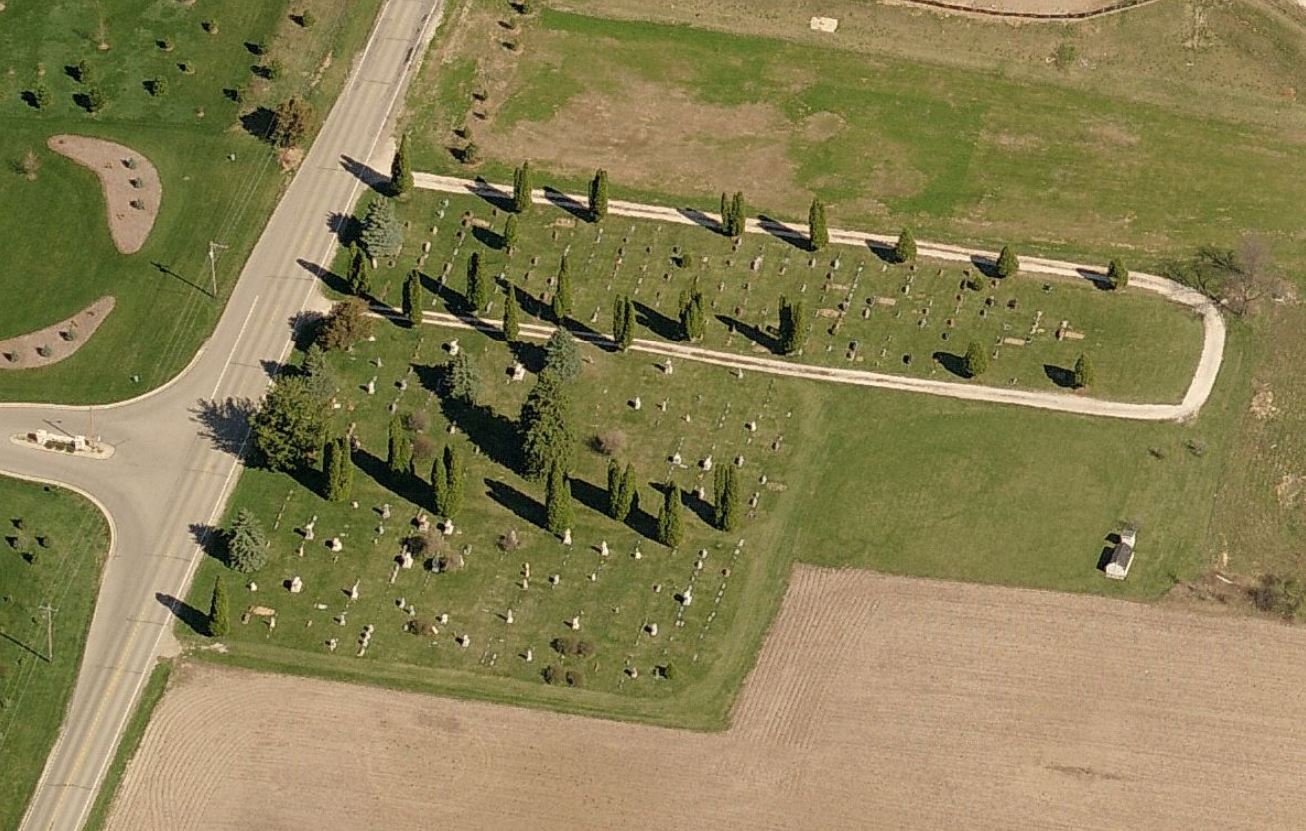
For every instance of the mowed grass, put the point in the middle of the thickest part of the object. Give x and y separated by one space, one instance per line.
863 313
54 228
965 154
54 558
843 476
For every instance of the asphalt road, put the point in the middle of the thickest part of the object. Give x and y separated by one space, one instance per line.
177 448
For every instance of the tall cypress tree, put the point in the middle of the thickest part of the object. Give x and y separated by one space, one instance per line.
218 622
737 214
629 490
562 292
976 359
521 188
818 234
670 530
693 320
439 485
478 285
399 451
337 469
792 326
727 500
454 476
599 195
545 424
511 316
614 489
557 501
904 251
623 322
1083 373
401 172
360 271
1116 274
413 297
726 224
510 232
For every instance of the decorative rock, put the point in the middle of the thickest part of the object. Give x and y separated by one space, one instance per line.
574 623
295 585
464 641
530 655
638 555
385 511
508 617
636 403
632 672
739 461
668 367
405 559
332 644
517 372
554 579
594 577
751 426
566 536
675 458
603 548
335 545
444 618
371 386
652 629
252 586
308 529
706 464
453 348
353 591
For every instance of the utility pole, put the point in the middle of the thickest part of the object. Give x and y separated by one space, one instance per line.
214 249
49 630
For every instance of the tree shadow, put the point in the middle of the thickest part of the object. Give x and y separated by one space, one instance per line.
496 435
986 266
345 226
333 281
195 619
494 195
784 233
569 204
1059 375
29 98
526 508
656 322
225 423
374 179
489 237
211 539
589 495
884 253
259 122
530 355
701 507
955 364
305 328
751 332
404 485
702 220
255 48
72 71
532 305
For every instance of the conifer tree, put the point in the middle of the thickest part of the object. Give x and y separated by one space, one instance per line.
413 297
360 271
599 195
614 488
1083 375
818 234
623 322
454 477
1008 262
401 172
337 469
545 425
462 380
247 546
693 320
562 355
478 285
382 235
905 249
976 359
562 292
521 188
218 622
399 449
511 316
557 501
737 214
629 490
727 504
439 485
510 232
793 326
1116 274
670 530
726 223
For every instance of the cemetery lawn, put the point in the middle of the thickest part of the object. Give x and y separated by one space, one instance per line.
854 477
55 558
53 228
1113 155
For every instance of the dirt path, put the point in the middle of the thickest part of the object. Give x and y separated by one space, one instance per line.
877 702
1199 389
132 190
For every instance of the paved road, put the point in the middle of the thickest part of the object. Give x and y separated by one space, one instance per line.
1199 389
177 449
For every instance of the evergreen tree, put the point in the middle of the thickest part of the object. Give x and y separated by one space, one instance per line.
623 322
728 510
793 326
455 475
905 250
521 188
399 449
737 214
413 297
1008 262
693 320
599 195
247 546
629 490
976 359
1083 375
557 501
478 285
290 423
337 469
510 232
670 530
511 315
218 622
401 172
818 234
562 355
345 325
322 381
726 222
463 381
1116 274
382 235
545 425
562 292
439 485
614 488
360 271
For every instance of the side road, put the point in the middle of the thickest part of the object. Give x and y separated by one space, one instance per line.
1199 389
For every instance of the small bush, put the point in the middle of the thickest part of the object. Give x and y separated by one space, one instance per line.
165 44
186 68
551 674
1280 596
272 70
417 421
424 448
43 350
210 26
564 645
575 678
610 443
305 19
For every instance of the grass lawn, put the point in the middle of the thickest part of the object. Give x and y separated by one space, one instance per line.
60 255
862 478
1004 148
54 546
907 319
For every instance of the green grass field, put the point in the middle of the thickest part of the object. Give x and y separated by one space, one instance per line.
54 229
1005 148
53 549
850 477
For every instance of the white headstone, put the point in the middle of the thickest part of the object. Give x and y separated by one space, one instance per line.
296 585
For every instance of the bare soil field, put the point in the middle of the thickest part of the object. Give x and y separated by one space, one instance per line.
877 702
